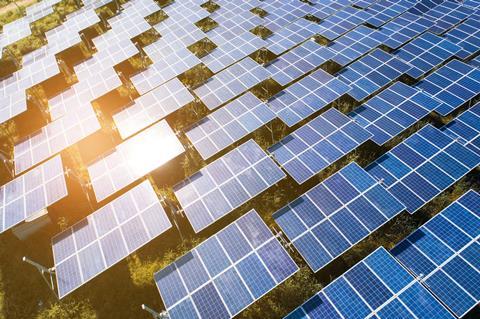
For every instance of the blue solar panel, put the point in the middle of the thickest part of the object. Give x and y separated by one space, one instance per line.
376 287
476 62
229 124
445 254
325 8
426 52
466 35
335 215
292 35
318 144
423 166
385 10
356 43
226 183
231 82
226 273
299 61
423 6
362 3
466 128
307 96
454 84
446 15
371 73
342 21
403 28
285 13
393 110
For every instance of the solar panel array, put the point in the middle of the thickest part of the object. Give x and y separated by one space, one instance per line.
423 166
152 107
107 236
317 144
336 214
229 124
32 192
231 82
426 52
454 84
392 111
133 159
226 273
373 44
376 287
226 183
307 96
298 62
371 73
443 253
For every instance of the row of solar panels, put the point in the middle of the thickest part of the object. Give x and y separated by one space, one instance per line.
247 171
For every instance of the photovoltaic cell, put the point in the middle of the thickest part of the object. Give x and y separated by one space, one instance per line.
342 21
423 166
226 273
231 82
356 43
152 107
446 15
426 52
385 10
323 9
393 110
31 192
229 124
376 287
226 183
292 35
318 144
371 73
134 158
445 252
466 35
307 96
454 84
298 61
336 214
287 12
466 128
107 236
403 29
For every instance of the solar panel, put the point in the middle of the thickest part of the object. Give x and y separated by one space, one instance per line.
226 183
476 62
230 48
12 104
393 110
426 52
287 12
445 252
403 29
307 96
152 107
164 70
336 214
422 166
454 84
371 73
54 137
342 21
31 192
298 61
107 236
362 3
446 15
233 23
226 273
292 35
133 159
466 35
231 82
466 128
356 43
386 10
318 144
375 287
229 124
323 9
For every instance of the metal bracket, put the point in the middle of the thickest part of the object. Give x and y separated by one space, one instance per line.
156 315
44 272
